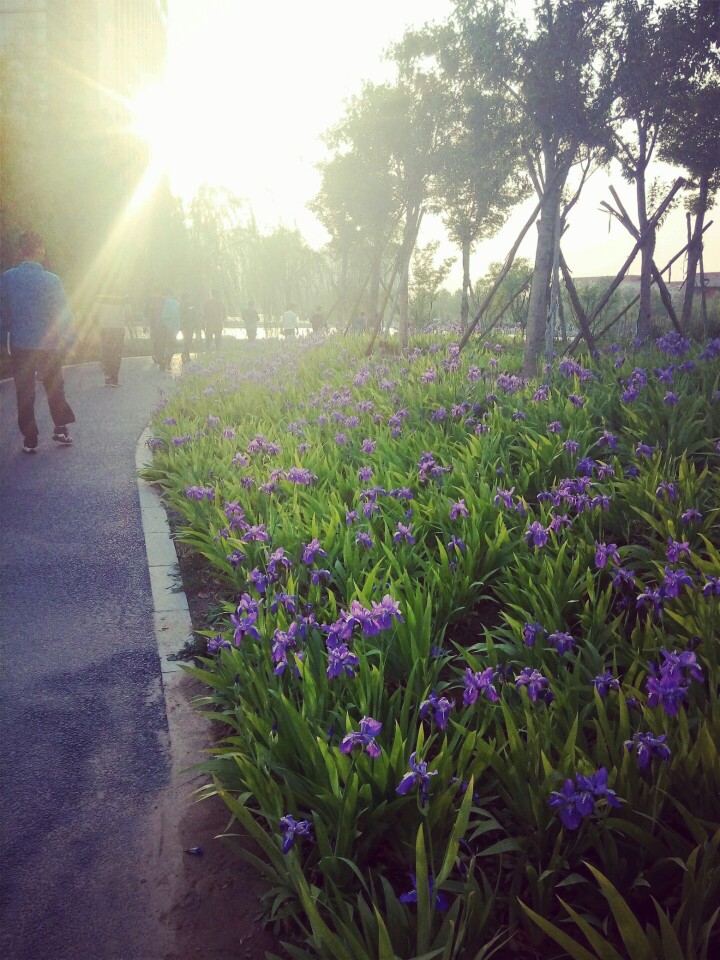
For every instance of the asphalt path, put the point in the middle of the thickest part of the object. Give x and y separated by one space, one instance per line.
83 731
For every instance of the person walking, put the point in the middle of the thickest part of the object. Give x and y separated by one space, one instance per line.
251 319
153 322
187 325
317 320
289 322
112 315
214 319
35 322
170 323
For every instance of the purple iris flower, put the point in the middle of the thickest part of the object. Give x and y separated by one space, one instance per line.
458 509
233 511
562 642
365 619
712 586
533 632
505 497
364 474
585 467
605 682
667 691
537 533
318 575
605 552
364 540
576 401
647 747
674 580
418 776
386 611
235 558
577 800
368 446
669 488
690 515
365 738
350 516
643 450
301 476
217 643
537 685
341 660
555 427
311 550
277 562
441 708
456 544
652 599
438 900
622 578
572 446
677 549
677 663
404 533
200 493
286 600
291 828
607 439
257 533
282 641
245 618
480 683
558 521
258 579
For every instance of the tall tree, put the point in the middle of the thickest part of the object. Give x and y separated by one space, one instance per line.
549 76
659 49
479 171
691 139
358 201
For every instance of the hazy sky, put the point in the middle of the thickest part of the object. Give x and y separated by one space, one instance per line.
250 90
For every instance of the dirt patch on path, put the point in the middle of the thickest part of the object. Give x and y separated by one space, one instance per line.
209 901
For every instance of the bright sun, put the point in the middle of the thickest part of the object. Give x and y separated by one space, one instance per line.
154 121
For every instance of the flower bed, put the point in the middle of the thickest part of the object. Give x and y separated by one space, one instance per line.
470 657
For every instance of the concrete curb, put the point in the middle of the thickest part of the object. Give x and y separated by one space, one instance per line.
171 614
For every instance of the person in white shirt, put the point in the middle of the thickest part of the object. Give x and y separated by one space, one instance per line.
289 322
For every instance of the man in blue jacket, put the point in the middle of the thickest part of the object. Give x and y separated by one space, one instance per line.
35 317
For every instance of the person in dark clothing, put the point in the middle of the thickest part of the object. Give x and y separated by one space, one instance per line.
251 319
112 314
35 322
214 319
188 323
317 320
153 319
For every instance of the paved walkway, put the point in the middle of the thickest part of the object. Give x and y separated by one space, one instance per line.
84 749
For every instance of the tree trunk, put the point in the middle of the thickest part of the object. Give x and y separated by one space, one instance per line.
694 253
465 301
404 300
410 232
374 293
542 274
647 249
